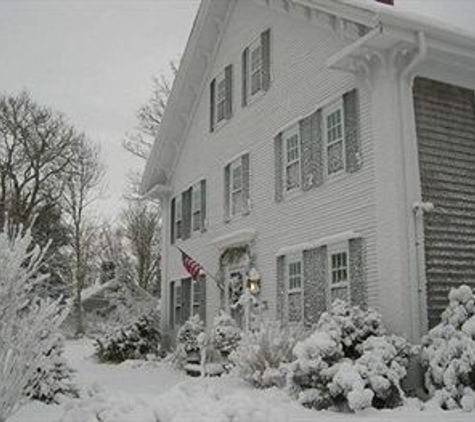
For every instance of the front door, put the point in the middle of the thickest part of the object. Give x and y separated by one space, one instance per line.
235 279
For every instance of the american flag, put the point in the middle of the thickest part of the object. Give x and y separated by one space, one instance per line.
191 266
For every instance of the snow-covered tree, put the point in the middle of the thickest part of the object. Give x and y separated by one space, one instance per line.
27 323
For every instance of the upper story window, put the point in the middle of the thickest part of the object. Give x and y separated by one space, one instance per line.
320 147
196 207
256 68
291 139
178 217
334 138
221 98
237 187
236 190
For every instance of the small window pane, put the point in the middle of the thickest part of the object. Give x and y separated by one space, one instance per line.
293 176
237 202
335 158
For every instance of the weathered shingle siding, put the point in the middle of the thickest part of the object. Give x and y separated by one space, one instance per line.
300 84
445 118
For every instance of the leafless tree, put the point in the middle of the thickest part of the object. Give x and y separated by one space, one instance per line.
80 192
141 228
36 150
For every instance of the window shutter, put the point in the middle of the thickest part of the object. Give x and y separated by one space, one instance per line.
315 283
246 182
228 76
265 43
171 309
186 299
312 169
202 281
279 171
172 221
281 289
319 176
352 141
245 65
212 104
227 181
357 273
203 205
186 213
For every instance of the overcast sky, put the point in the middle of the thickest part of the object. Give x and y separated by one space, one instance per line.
93 60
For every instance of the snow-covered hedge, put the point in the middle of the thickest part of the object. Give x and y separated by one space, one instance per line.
348 362
187 336
138 340
53 379
261 353
226 334
28 323
448 353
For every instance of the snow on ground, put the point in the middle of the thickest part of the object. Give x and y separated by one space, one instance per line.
154 391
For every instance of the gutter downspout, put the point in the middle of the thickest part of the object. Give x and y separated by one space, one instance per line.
419 324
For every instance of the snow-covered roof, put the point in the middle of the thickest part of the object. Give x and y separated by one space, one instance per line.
209 25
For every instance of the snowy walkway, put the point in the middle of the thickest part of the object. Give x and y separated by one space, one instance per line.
150 392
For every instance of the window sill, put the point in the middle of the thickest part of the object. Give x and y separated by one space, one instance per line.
252 99
220 124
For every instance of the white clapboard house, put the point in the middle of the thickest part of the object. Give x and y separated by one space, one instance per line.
329 147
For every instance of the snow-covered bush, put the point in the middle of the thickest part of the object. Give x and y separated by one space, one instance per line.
27 323
53 379
261 353
226 334
348 362
138 340
187 336
448 353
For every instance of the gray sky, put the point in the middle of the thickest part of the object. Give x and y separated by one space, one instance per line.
93 60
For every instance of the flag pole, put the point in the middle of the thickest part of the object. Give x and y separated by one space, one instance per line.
203 268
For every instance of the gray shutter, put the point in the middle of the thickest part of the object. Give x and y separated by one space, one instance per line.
203 205
319 176
246 182
352 141
281 289
244 70
185 299
186 213
172 221
357 273
265 43
228 77
227 181
212 104
202 281
311 153
315 283
279 171
171 309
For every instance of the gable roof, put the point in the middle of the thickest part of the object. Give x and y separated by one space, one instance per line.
204 40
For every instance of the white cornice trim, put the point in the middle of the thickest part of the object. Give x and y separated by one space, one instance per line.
240 237
329 240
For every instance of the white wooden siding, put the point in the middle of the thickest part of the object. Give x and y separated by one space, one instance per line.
300 84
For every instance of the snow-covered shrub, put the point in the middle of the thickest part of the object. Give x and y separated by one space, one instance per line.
53 379
138 340
348 362
448 353
187 336
261 353
27 323
226 334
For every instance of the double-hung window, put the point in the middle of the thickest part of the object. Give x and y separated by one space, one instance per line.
178 218
196 207
236 191
196 296
255 68
220 98
292 158
338 274
334 134
178 303
295 287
